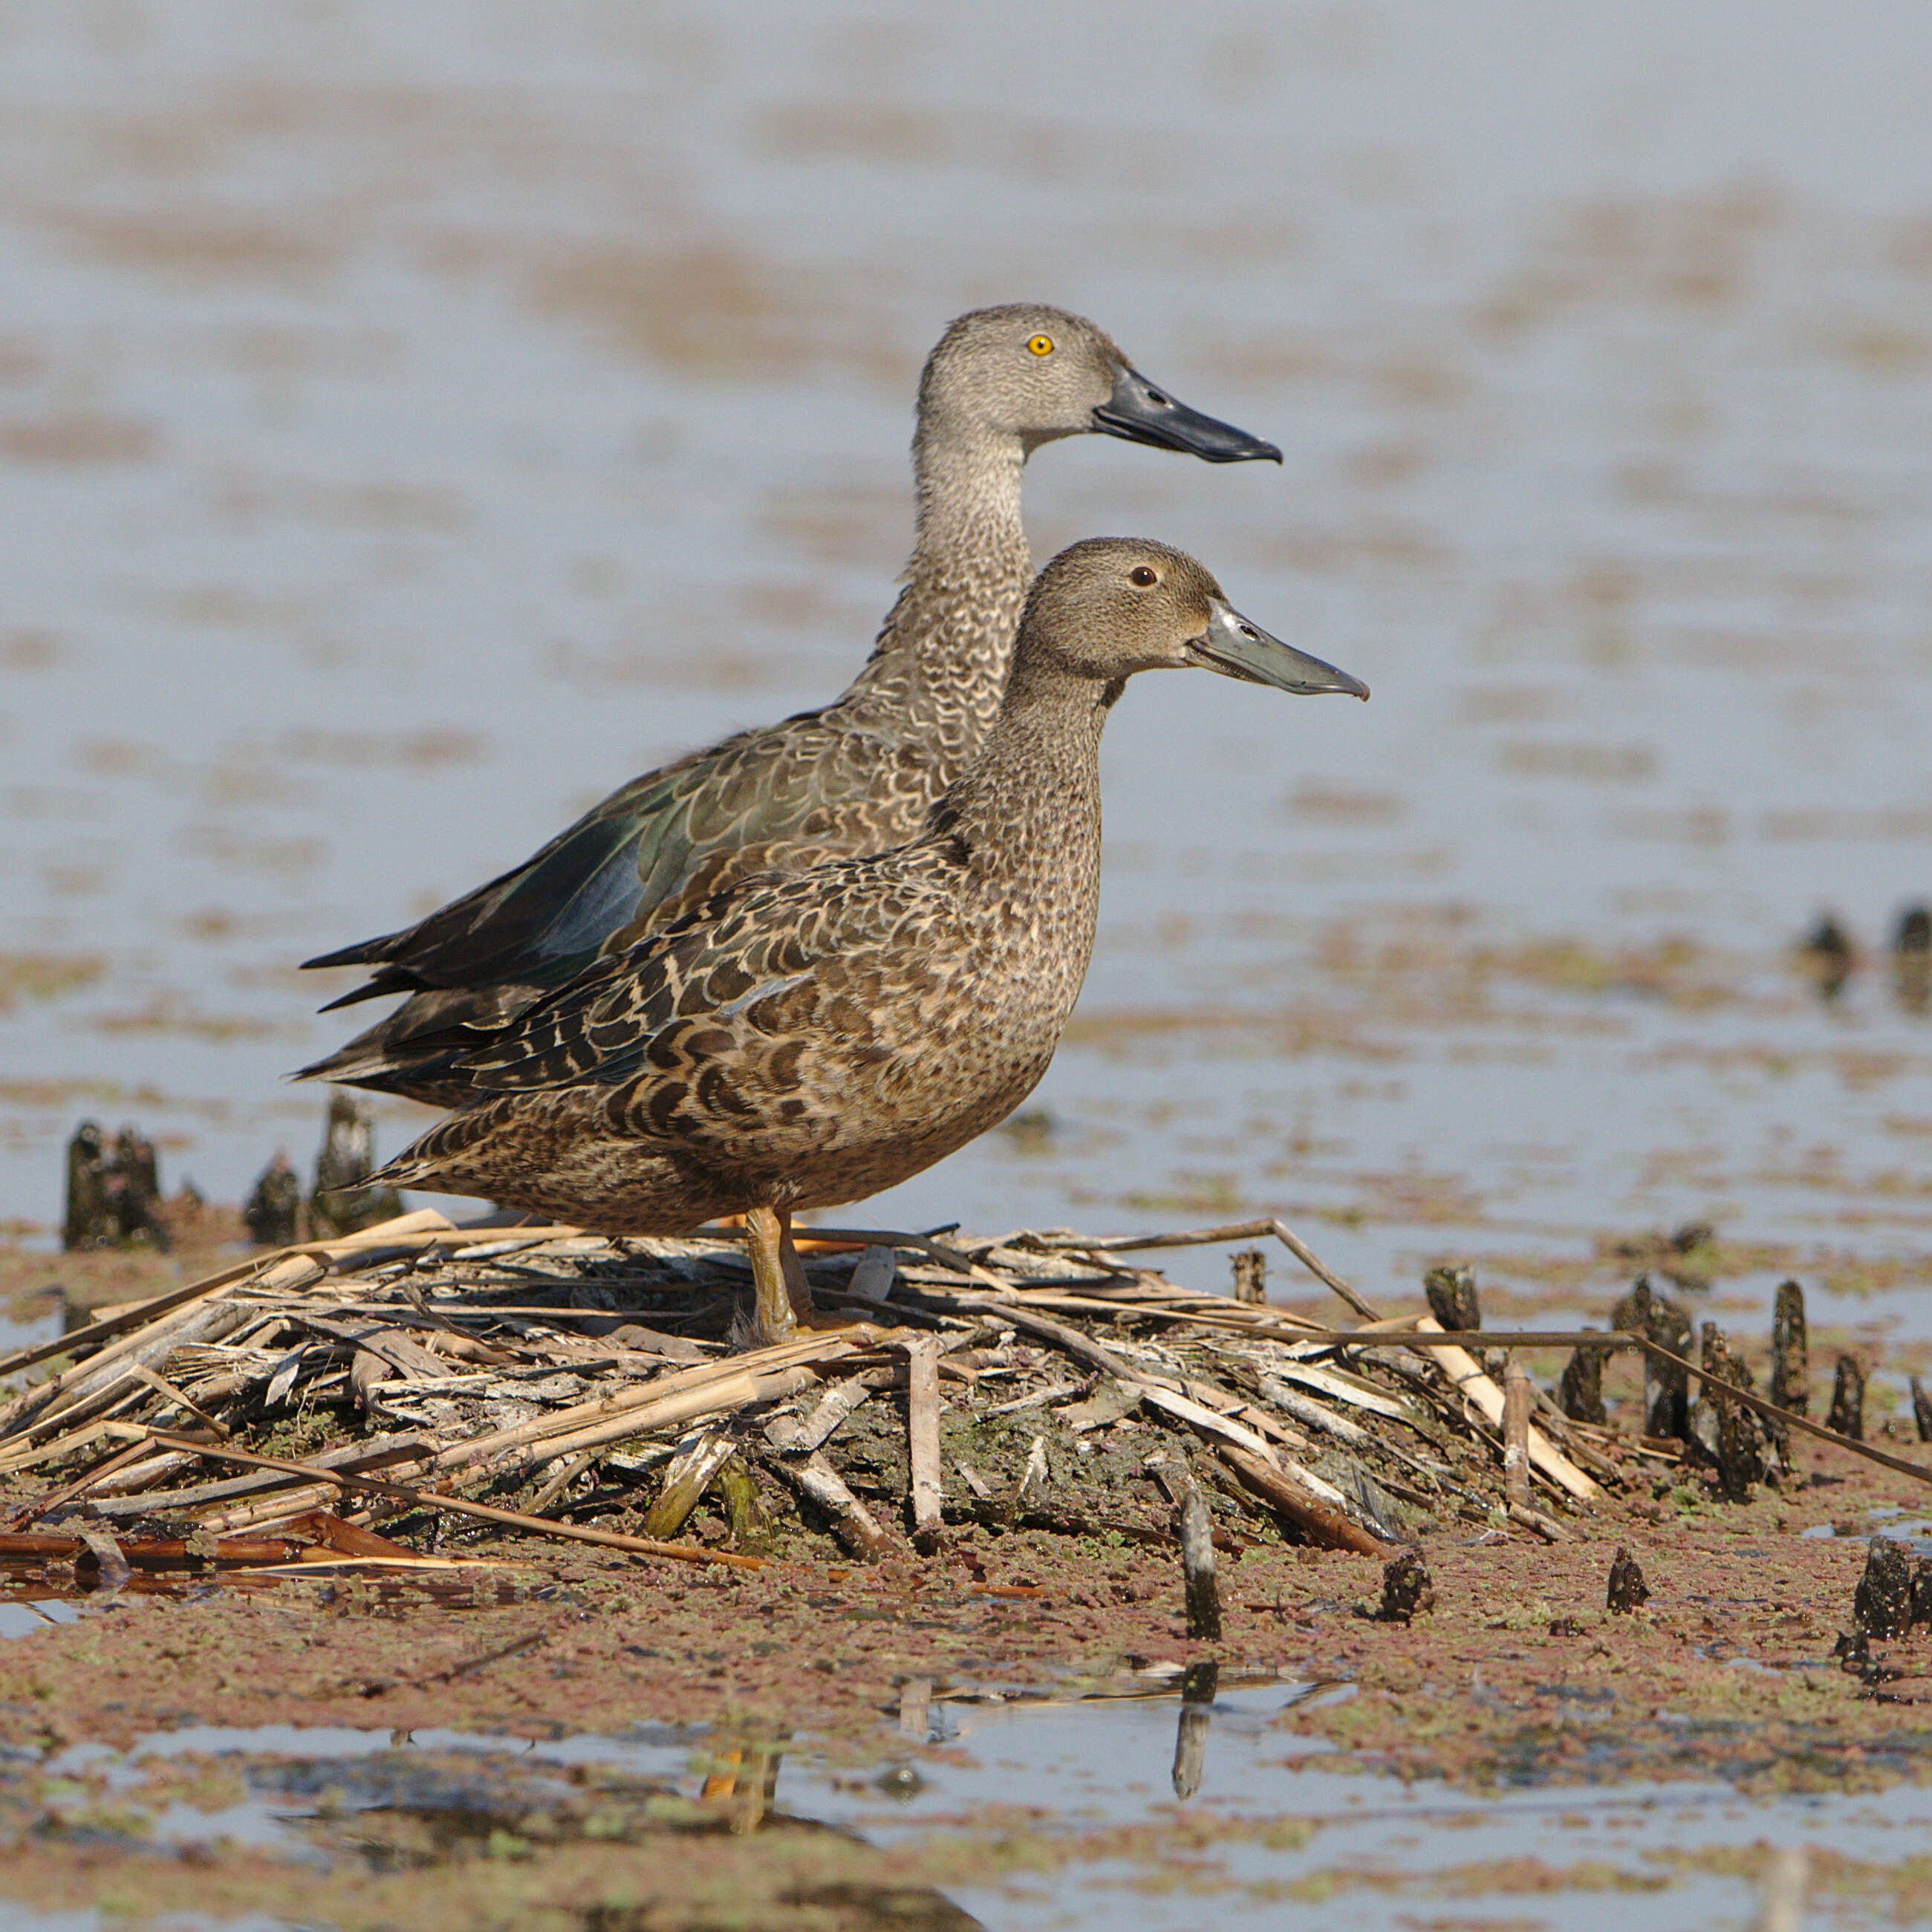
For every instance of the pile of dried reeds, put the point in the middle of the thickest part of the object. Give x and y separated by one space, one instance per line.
421 1370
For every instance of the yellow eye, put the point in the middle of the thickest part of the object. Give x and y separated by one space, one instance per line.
1042 345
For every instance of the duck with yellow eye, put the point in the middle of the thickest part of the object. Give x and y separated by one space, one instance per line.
856 775
802 1041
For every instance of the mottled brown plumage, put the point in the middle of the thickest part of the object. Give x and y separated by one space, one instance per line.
857 776
806 1040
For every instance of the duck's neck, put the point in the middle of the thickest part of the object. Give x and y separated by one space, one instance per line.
941 661
1026 815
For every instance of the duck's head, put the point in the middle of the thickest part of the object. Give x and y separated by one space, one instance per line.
1111 606
1033 372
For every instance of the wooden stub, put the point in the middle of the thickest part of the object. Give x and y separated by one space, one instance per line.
1468 1374
1194 1527
1882 1605
1790 1371
1407 1589
1667 1387
1628 1591
1516 1434
1580 1393
922 1440
1848 1399
1250 1266
1452 1297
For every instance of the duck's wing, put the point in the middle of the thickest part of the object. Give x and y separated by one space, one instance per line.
779 799
734 1038
539 923
775 964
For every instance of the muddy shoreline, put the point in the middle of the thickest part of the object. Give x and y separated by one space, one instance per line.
1728 1670
1519 1679
554 1735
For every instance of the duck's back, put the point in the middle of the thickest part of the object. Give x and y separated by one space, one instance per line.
777 800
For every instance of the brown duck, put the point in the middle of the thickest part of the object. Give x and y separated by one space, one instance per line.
857 776
799 1041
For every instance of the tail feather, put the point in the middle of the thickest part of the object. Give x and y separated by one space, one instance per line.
377 951
415 1051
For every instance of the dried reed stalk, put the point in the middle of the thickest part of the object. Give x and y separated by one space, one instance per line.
430 1499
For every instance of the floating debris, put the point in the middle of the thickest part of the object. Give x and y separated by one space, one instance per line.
556 1384
589 1389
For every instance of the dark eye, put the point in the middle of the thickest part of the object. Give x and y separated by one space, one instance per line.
1141 575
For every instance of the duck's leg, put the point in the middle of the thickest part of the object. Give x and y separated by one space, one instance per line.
797 1287
769 1239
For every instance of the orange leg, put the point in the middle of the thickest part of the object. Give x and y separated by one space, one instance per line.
770 1236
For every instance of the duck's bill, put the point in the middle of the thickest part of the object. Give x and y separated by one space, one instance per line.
1142 413
1237 648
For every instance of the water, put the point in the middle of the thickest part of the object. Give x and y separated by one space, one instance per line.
1084 1791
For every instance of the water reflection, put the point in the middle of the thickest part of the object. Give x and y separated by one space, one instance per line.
1033 1812
1190 1740
740 1781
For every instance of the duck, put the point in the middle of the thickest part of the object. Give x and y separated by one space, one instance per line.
857 776
801 1041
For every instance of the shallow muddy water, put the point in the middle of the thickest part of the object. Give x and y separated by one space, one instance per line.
1157 1810
415 421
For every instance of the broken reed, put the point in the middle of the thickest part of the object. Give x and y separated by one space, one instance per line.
619 1354
407 1324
